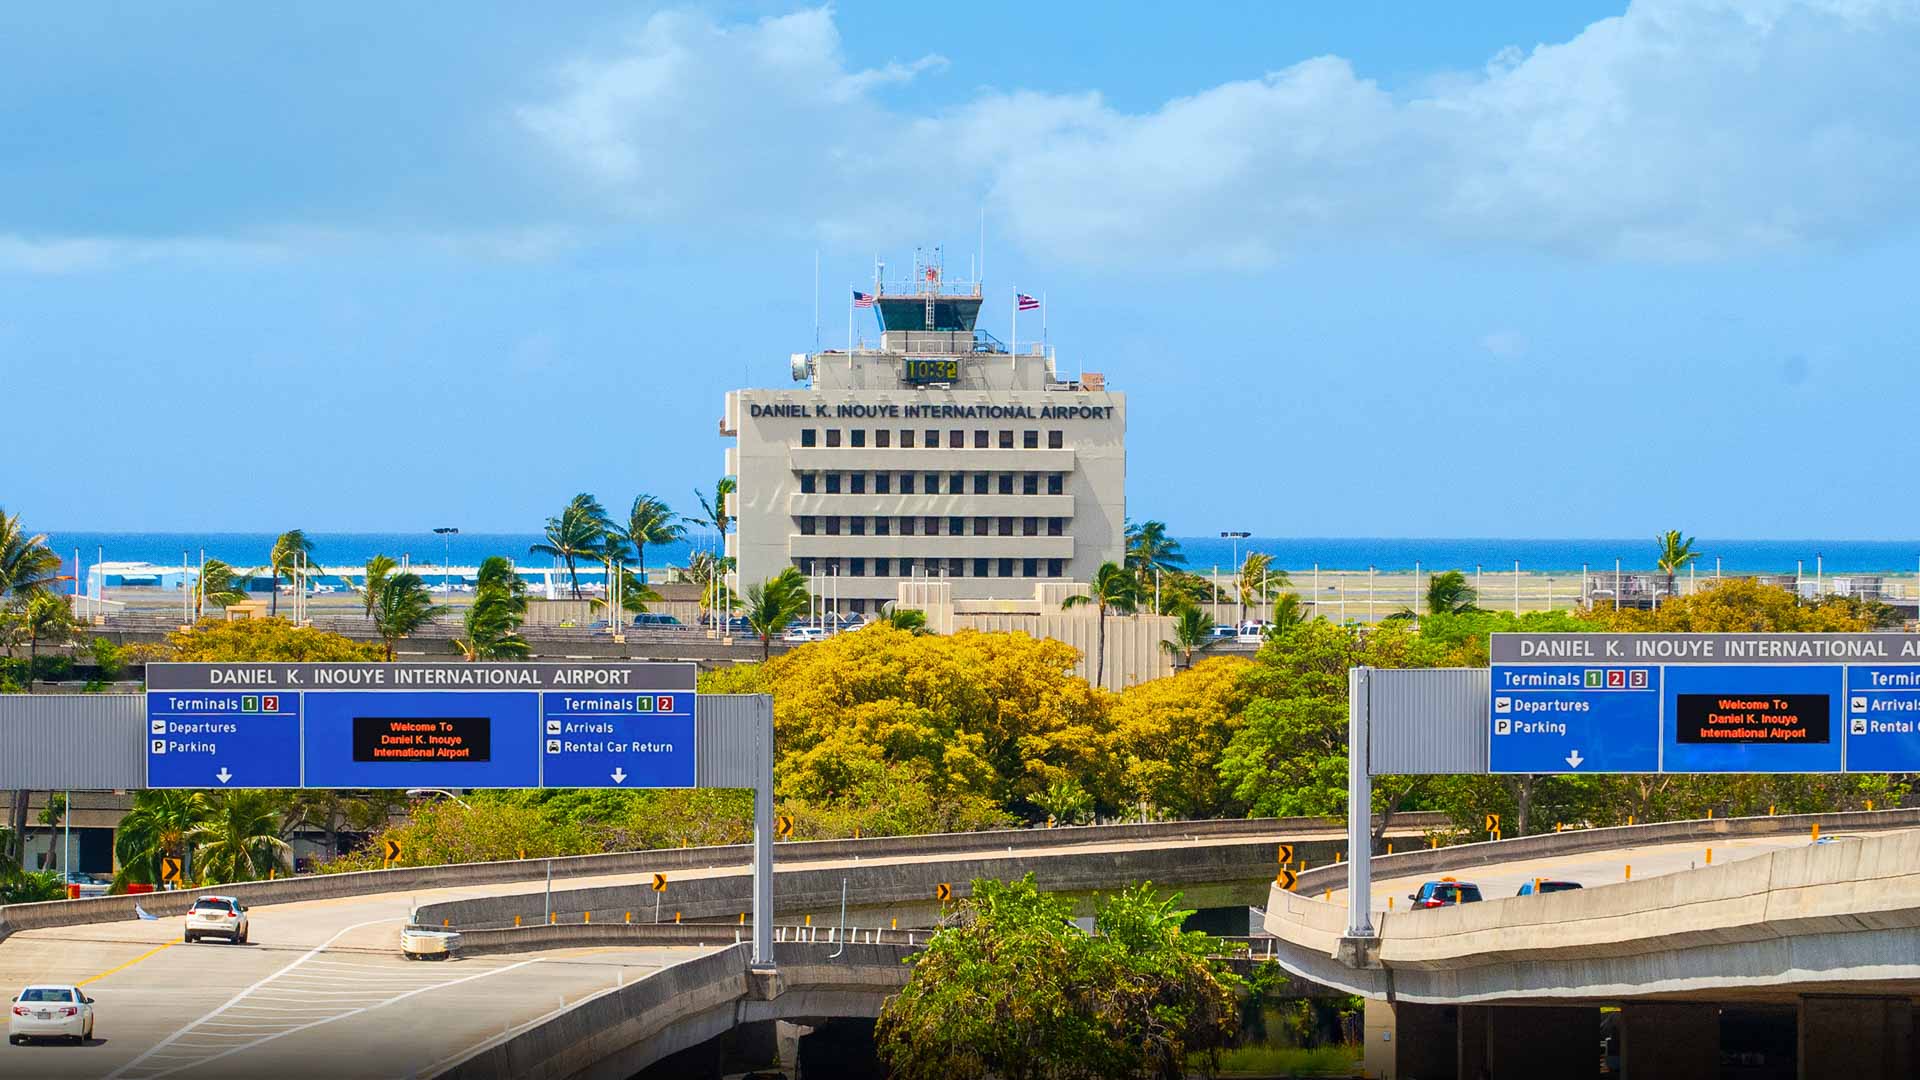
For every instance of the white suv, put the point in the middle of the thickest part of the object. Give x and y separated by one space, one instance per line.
217 916
51 1012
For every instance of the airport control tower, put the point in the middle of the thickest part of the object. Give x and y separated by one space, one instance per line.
938 452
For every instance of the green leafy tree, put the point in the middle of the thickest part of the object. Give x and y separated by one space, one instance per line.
578 532
1150 550
492 629
1289 611
1066 802
51 815
27 565
774 604
1676 554
404 607
1112 588
1013 990
219 585
239 839
160 825
650 521
1192 629
33 887
291 550
218 641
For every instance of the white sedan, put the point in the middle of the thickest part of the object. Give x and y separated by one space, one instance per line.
217 916
51 1012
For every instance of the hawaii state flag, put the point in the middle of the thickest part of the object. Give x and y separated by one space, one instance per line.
1025 303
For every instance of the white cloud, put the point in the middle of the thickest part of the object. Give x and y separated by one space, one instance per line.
80 254
1505 344
1681 130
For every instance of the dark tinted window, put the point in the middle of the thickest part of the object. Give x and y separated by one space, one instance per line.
1030 440
42 994
883 437
833 436
859 436
1056 440
808 437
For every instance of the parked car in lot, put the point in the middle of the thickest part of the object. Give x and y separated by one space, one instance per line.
650 618
1226 631
217 916
1546 885
1445 893
799 634
50 1012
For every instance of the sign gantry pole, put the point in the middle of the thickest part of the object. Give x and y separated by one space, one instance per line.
1359 807
763 841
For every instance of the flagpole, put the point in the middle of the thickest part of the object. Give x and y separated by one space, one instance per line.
1014 348
849 320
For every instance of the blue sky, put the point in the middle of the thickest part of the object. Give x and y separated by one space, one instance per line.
1364 269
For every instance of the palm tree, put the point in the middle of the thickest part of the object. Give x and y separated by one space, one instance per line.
716 511
1192 629
291 550
159 825
911 620
46 617
378 569
1259 581
493 621
771 606
710 571
1449 593
1150 550
1114 587
579 531
218 585
1676 553
650 521
1288 612
239 840
404 606
26 563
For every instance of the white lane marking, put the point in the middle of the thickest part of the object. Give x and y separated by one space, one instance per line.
345 1015
231 1002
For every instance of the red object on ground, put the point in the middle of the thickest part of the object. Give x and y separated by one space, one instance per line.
136 887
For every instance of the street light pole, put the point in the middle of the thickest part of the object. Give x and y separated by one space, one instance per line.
1236 537
446 533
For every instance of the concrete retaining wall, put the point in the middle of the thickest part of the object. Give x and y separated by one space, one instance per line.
616 1034
1242 868
327 886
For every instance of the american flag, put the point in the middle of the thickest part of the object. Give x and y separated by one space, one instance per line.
861 299
1025 302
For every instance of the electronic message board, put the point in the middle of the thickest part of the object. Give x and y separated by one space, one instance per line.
412 725
1704 703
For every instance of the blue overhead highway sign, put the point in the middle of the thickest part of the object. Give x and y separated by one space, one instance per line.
412 725
211 739
1563 718
1705 703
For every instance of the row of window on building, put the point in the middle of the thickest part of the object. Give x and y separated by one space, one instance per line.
884 438
929 526
934 567
905 483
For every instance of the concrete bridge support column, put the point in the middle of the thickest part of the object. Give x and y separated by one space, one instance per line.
1856 1038
1425 1040
1521 1042
1670 1040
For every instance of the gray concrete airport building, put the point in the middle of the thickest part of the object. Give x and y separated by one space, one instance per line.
940 454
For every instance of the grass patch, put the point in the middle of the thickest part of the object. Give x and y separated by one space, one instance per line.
1290 1061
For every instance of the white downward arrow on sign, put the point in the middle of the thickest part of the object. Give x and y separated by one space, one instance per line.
619 775
223 775
1574 759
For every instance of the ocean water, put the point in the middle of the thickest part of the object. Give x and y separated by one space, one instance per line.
1390 554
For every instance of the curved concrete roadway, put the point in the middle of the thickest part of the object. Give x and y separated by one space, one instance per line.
323 991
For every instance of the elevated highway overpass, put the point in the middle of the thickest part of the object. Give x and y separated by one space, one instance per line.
1821 940
324 991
